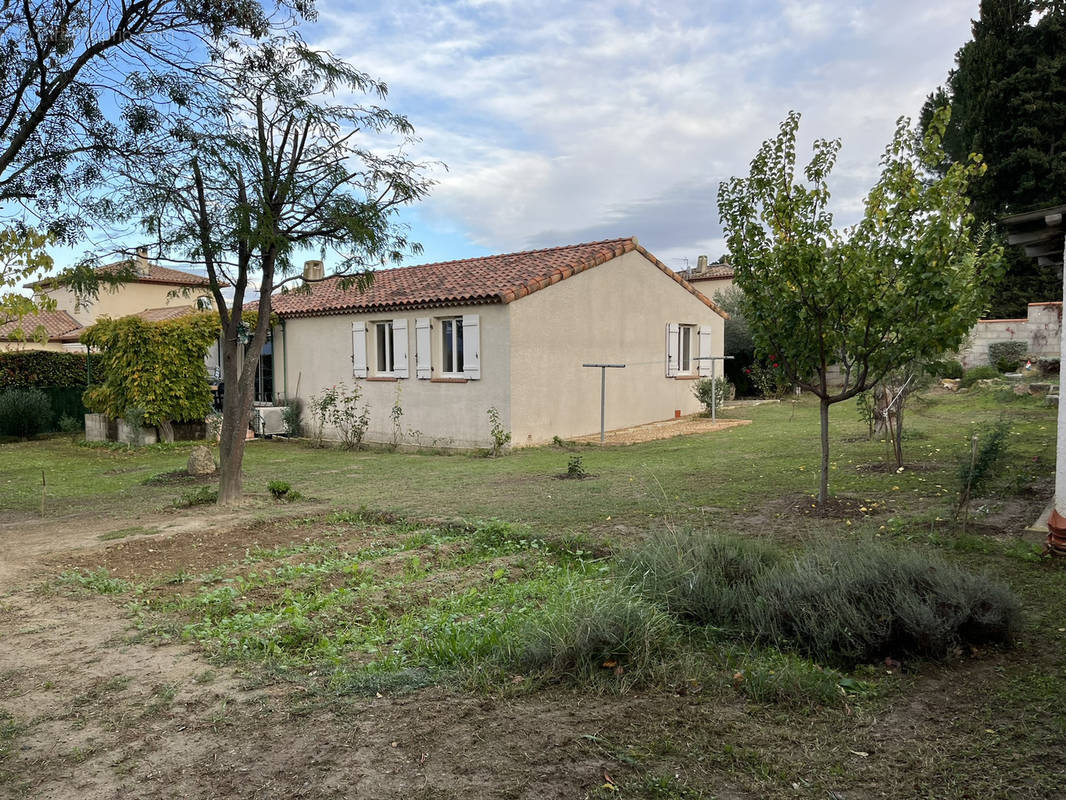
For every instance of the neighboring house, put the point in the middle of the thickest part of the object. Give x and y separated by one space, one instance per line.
448 341
154 293
709 278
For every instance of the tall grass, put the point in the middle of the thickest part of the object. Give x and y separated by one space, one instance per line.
842 604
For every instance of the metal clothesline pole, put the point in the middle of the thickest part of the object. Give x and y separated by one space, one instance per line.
714 389
603 394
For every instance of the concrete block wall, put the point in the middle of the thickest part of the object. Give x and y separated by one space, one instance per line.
1041 330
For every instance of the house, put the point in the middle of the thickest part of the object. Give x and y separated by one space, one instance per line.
446 342
153 293
710 279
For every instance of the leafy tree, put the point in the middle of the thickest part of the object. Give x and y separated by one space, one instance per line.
82 82
906 282
154 366
1007 93
283 168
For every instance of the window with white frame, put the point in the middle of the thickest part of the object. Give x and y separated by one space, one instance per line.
686 333
687 349
451 335
385 363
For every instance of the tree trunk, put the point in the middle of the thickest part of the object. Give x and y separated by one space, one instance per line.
823 488
236 411
897 438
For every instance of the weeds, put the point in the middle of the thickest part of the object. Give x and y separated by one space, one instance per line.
203 496
501 437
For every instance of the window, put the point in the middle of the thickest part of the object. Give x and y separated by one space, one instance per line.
684 348
386 360
451 331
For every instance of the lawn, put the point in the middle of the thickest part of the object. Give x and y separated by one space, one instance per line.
466 626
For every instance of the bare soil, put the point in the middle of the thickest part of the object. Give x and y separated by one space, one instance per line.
89 710
667 429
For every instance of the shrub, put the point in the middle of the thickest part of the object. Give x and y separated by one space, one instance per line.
697 577
975 374
838 604
292 416
1048 366
770 380
69 425
601 635
711 391
987 448
575 469
948 368
1007 356
203 496
500 436
337 409
24 412
280 490
44 369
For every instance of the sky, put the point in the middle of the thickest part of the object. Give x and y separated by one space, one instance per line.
554 122
565 122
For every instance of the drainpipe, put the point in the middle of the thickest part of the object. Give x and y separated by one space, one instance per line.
284 360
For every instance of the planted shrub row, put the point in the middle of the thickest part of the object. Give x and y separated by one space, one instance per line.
841 604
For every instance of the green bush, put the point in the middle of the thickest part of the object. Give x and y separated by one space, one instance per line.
711 391
697 577
610 635
837 604
947 368
292 415
203 496
975 374
44 369
24 412
1007 356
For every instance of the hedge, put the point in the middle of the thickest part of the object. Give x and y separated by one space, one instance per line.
46 369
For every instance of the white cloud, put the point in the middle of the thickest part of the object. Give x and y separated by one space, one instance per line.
561 121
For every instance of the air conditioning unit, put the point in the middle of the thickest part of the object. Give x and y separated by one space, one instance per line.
269 420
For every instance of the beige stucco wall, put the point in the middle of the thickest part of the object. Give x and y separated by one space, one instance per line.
122 300
18 346
617 313
317 353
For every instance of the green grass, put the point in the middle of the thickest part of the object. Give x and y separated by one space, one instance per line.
491 575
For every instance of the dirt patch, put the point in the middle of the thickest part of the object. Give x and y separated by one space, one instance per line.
664 430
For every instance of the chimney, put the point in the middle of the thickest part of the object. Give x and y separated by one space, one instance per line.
314 271
140 264
701 265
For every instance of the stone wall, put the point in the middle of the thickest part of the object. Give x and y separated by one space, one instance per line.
1041 330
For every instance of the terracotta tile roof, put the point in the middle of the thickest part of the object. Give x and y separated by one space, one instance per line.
711 273
148 315
155 274
55 324
472 281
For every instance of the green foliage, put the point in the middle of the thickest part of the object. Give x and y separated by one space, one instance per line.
337 408
22 257
600 636
843 604
500 437
945 368
292 415
42 369
281 490
1007 356
70 425
1006 95
975 374
769 378
24 412
988 447
711 392
574 468
155 366
906 282
203 496
738 342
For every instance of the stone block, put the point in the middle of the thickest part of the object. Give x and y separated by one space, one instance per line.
96 427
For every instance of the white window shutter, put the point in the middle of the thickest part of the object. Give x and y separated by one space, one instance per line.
472 346
359 349
673 348
704 351
423 356
399 349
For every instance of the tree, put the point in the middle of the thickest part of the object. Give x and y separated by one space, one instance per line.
282 169
908 281
82 82
1007 93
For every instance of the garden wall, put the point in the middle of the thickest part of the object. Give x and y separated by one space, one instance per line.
1041 330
